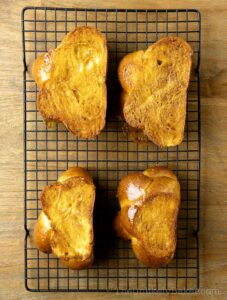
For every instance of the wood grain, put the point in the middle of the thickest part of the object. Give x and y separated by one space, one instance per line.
213 232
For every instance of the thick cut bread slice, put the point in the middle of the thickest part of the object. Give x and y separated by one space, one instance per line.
72 84
155 85
65 226
149 204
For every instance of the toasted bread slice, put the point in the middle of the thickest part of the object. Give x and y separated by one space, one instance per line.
65 225
72 84
155 85
149 204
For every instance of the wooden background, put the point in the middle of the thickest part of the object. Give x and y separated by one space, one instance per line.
213 232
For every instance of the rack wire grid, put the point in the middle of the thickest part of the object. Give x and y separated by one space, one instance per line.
111 155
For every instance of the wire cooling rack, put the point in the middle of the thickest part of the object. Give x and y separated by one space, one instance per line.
48 152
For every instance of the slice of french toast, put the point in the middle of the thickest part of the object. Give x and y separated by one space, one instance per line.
72 85
154 84
65 225
149 203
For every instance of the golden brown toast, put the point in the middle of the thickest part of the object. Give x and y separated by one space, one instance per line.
155 83
65 225
149 203
72 84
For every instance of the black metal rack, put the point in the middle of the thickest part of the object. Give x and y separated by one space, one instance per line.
110 156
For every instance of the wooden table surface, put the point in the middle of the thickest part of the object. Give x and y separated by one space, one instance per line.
213 232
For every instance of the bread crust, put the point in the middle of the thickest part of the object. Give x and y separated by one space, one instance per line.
72 85
149 203
65 225
42 233
154 83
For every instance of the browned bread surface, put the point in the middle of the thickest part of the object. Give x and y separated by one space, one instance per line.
72 84
149 203
155 83
65 225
